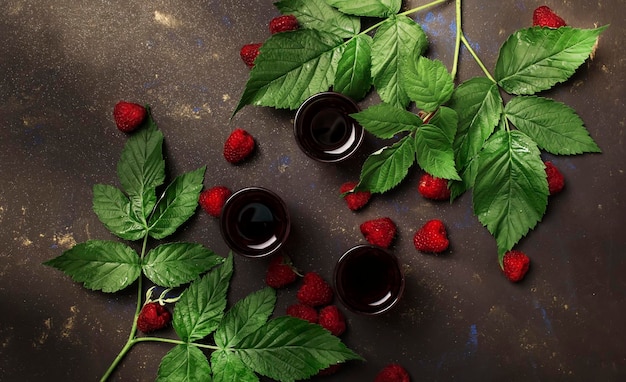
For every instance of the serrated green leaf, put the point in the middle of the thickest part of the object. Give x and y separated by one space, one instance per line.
434 152
385 121
510 191
354 69
287 349
172 264
114 211
447 120
478 105
100 265
468 175
228 367
386 168
201 306
184 363
396 40
245 317
427 82
178 204
371 8
291 67
319 15
535 59
554 126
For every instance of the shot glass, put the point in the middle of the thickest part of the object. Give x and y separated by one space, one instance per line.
324 129
368 280
255 222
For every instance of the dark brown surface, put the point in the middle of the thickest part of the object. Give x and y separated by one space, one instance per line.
66 63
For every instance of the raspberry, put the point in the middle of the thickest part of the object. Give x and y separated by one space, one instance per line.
303 312
380 232
128 116
280 272
434 188
556 181
212 200
355 200
331 319
239 145
432 237
153 316
249 52
392 373
284 23
544 16
515 264
315 291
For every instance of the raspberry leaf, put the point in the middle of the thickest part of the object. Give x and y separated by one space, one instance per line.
554 126
386 168
114 211
385 121
319 15
177 204
535 59
100 265
172 264
371 8
396 40
447 120
434 152
427 82
201 305
184 362
510 192
228 367
354 77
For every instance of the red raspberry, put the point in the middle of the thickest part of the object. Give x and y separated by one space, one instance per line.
153 316
212 200
239 145
434 188
355 200
392 373
249 52
303 312
556 181
315 291
284 23
128 116
515 264
380 232
331 319
545 17
280 272
432 237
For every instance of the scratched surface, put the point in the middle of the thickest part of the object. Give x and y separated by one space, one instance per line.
66 63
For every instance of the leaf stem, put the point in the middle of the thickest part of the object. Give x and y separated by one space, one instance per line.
476 58
174 341
405 13
457 44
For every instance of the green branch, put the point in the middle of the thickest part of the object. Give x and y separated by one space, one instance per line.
476 58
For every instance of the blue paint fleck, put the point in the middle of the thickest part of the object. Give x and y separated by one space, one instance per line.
34 134
544 317
472 342
226 21
199 43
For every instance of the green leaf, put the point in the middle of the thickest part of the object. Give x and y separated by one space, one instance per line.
184 363
172 264
291 67
386 168
177 204
427 82
447 120
245 317
396 40
371 8
319 15
510 191
554 126
114 211
385 121
354 70
535 59
478 105
228 367
434 152
468 175
201 306
100 265
287 349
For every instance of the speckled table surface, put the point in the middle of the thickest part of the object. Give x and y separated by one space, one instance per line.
64 64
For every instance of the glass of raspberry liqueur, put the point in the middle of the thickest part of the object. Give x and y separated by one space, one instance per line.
324 129
368 280
255 222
